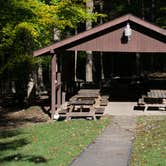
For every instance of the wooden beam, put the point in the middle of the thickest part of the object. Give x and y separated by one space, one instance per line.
59 90
53 85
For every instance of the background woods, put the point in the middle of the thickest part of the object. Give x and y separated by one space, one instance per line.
26 25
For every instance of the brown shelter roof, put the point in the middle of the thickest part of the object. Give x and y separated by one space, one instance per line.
97 38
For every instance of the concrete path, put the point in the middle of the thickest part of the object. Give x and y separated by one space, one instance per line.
113 147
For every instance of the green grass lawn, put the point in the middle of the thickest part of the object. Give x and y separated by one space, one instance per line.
52 144
150 143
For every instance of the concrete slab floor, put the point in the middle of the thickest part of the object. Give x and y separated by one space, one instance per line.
127 108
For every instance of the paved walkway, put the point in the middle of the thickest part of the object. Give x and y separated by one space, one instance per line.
114 146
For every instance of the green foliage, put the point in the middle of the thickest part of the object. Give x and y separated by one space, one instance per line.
19 68
18 62
26 25
161 19
26 38
31 22
48 144
73 12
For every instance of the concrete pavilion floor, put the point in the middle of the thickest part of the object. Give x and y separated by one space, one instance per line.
127 108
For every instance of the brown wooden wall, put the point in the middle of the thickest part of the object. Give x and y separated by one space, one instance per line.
115 42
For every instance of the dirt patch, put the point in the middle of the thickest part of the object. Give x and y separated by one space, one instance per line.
14 117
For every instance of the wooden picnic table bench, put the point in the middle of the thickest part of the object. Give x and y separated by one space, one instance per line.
153 100
152 107
84 96
81 108
87 96
82 102
79 98
155 93
85 104
89 91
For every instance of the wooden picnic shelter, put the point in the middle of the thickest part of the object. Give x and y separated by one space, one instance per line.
124 34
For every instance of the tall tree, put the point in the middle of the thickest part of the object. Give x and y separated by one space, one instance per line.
89 59
101 53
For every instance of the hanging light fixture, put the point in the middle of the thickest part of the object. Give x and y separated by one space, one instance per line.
128 31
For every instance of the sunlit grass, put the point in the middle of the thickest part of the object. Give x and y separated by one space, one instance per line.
53 144
150 143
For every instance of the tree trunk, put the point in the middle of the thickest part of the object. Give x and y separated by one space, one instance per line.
143 10
101 54
40 79
89 67
75 62
153 11
56 35
89 61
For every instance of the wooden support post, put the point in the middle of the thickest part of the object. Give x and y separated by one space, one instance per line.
59 90
75 66
53 85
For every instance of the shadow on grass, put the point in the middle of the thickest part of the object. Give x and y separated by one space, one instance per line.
19 157
10 146
13 145
9 134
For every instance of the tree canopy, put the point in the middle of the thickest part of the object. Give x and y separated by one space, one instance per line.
26 25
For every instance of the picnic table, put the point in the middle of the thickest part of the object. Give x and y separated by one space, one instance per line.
155 99
84 104
84 97
89 91
155 93
81 108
